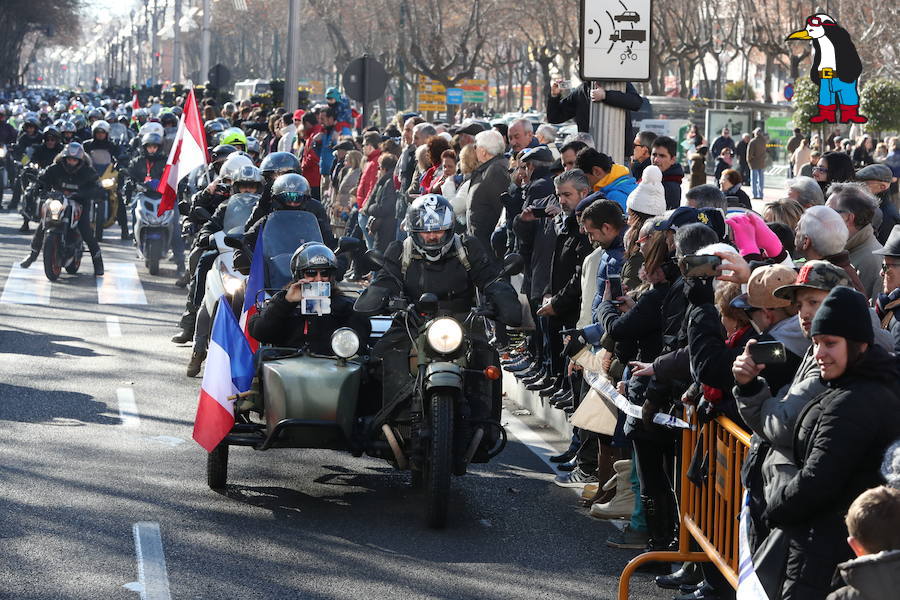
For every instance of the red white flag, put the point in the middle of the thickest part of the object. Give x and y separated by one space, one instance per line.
188 152
134 102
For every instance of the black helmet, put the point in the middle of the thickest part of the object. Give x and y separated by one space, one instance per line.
427 214
95 113
212 127
168 119
279 163
289 191
313 255
52 131
221 152
151 138
72 150
31 121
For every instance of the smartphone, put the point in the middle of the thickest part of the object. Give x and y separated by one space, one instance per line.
539 212
768 353
316 289
699 265
615 288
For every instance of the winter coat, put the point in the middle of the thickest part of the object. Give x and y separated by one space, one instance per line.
577 106
890 216
572 247
737 197
870 577
671 181
382 206
756 152
537 238
406 167
83 181
487 185
721 166
637 168
860 245
611 263
44 156
698 169
740 152
588 278
281 323
794 143
368 179
617 184
145 168
839 442
349 181
842 260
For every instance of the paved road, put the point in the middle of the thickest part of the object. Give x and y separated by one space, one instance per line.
96 419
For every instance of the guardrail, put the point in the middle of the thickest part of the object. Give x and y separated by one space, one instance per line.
709 513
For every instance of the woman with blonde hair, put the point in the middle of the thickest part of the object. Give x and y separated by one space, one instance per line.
783 210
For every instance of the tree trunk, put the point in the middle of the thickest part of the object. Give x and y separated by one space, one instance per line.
767 79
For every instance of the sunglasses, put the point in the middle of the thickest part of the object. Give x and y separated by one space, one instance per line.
310 273
817 22
820 169
885 267
639 146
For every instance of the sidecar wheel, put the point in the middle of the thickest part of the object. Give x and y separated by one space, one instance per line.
217 467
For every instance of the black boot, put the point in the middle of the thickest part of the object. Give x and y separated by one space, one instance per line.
125 234
24 228
27 262
660 532
197 359
97 259
688 574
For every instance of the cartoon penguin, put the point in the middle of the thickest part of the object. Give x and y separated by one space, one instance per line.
835 68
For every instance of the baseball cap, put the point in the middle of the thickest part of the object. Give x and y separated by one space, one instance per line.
815 275
762 285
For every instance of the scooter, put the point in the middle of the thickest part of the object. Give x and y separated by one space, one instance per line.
107 205
63 246
152 233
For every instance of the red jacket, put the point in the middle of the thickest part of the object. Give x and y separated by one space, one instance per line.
309 160
368 179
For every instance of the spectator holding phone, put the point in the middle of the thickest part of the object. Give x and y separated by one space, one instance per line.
839 441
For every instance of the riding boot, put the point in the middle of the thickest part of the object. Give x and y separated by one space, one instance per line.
660 534
98 264
27 262
24 228
125 234
197 358
187 324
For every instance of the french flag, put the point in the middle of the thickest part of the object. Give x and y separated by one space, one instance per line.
188 152
229 371
255 282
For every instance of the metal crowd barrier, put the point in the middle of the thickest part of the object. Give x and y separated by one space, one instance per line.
709 513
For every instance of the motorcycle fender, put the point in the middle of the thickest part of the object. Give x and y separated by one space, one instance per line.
443 375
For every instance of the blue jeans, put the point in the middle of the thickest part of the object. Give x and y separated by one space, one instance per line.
834 91
363 221
757 176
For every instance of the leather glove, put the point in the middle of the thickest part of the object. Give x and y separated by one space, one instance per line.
699 291
575 344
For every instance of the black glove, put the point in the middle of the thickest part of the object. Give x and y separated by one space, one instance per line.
699 291
575 345
706 411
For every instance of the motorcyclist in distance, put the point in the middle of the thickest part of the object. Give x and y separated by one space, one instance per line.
42 157
281 322
72 173
273 166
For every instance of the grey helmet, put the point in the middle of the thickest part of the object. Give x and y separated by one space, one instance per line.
313 255
290 191
279 163
247 174
150 139
100 125
427 214
72 150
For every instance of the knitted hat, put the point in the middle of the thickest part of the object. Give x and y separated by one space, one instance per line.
648 197
844 313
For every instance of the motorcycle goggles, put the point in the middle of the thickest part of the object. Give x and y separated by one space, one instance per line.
291 199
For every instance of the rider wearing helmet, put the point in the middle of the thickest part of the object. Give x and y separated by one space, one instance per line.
213 129
150 163
289 192
72 173
281 321
100 146
8 138
82 129
272 167
68 132
44 154
253 149
433 259
94 115
29 136
234 137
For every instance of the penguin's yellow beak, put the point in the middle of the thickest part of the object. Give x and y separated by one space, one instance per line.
799 35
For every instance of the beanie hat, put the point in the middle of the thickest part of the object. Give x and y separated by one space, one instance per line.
648 197
844 313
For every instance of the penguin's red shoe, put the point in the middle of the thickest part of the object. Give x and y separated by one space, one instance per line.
827 114
850 114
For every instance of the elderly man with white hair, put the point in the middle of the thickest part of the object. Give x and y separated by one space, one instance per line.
857 207
821 235
521 136
546 135
489 181
806 191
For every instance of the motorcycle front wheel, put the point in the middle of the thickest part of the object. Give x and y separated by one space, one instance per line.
153 254
217 467
439 460
75 263
52 260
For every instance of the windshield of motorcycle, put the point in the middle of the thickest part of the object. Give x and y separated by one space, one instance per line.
239 208
101 157
118 133
283 233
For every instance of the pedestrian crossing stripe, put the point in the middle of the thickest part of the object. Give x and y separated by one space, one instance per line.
26 286
120 284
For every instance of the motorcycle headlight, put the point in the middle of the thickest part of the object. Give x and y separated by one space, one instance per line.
232 284
344 342
108 183
444 335
55 207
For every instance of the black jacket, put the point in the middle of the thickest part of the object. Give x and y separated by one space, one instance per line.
487 186
839 440
382 207
144 168
280 323
447 278
83 181
637 168
44 156
536 239
24 142
671 181
577 105
113 148
572 247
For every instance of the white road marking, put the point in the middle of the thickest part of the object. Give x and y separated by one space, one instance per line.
113 328
26 286
120 285
530 438
153 578
128 411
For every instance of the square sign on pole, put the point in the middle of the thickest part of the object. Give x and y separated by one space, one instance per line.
615 40
455 95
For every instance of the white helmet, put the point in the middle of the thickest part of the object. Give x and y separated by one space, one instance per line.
233 164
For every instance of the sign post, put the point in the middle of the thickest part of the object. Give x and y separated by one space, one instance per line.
615 38
365 81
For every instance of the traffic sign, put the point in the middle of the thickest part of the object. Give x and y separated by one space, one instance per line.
615 40
219 76
432 95
788 92
365 79
455 96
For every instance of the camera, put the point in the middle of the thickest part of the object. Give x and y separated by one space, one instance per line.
768 353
